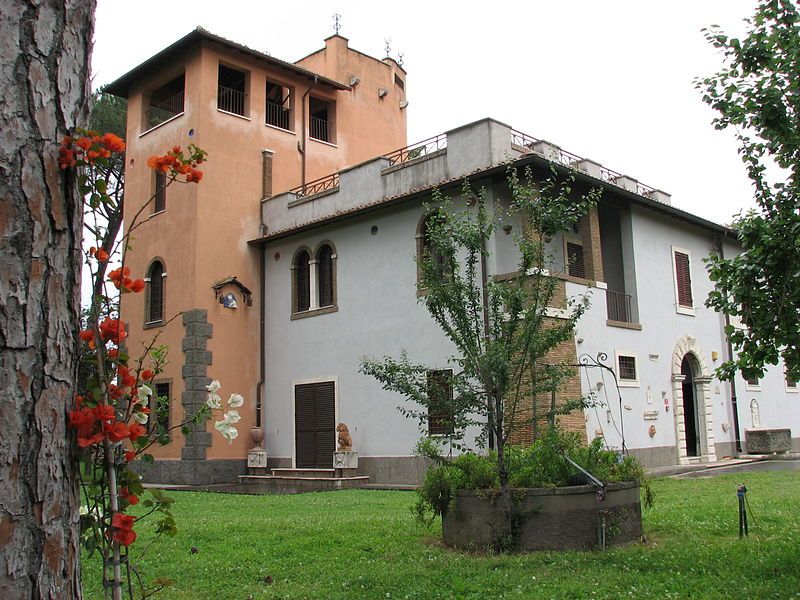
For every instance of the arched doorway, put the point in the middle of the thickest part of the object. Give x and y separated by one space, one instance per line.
690 420
691 390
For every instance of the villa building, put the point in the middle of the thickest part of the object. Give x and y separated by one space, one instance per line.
295 258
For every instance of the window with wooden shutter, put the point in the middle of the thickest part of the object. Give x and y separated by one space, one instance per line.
440 402
426 250
683 279
155 293
325 276
575 265
160 192
159 408
302 287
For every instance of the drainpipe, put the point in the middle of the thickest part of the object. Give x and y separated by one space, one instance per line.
301 145
262 338
734 401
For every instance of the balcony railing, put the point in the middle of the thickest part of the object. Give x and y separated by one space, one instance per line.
230 100
278 115
329 182
321 129
164 110
619 306
417 150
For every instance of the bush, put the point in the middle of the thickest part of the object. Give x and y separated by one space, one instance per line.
543 464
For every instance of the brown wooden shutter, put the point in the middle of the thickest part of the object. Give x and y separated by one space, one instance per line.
440 395
575 263
302 283
155 310
315 427
160 202
325 276
684 279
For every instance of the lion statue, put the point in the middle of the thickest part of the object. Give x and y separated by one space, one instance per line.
344 439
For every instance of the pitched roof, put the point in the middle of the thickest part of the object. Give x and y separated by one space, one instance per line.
188 43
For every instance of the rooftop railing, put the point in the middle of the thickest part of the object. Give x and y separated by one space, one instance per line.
568 159
329 182
417 150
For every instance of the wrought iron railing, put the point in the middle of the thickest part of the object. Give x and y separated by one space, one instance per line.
561 156
329 182
417 150
619 306
278 115
321 129
230 100
164 110
568 159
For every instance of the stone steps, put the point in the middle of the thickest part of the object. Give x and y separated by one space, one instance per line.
322 481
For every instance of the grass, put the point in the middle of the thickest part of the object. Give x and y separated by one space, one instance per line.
365 544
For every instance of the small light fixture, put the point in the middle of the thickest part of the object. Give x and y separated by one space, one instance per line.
403 103
374 230
229 301
382 93
354 80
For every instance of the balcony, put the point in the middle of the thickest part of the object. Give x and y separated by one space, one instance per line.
278 116
619 306
320 129
164 110
230 100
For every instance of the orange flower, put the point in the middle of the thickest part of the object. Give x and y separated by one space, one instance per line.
129 455
125 377
84 442
84 143
136 431
176 149
146 375
104 412
113 353
117 431
113 330
123 529
66 158
194 176
136 286
113 143
101 255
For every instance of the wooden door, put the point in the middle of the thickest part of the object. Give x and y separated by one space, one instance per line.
314 425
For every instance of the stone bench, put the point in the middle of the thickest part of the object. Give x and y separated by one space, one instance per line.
767 441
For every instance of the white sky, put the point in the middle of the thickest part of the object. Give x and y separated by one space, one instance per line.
609 80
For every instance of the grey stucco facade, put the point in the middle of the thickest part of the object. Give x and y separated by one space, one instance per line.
372 222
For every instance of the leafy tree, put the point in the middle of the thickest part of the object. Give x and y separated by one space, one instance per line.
500 329
758 94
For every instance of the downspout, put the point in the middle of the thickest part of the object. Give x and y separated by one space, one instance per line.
262 337
301 145
734 400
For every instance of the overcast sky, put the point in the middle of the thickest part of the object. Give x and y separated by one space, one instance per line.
607 80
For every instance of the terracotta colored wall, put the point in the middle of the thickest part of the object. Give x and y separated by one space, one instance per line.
202 235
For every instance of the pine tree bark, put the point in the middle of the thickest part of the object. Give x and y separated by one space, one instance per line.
44 77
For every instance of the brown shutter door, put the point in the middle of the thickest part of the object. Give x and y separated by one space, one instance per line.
575 262
684 279
325 405
315 427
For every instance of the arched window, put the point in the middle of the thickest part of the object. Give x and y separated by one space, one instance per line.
302 283
325 281
426 250
154 300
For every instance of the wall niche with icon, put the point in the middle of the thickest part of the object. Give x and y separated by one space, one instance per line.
232 293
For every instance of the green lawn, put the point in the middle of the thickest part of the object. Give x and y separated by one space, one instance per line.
365 544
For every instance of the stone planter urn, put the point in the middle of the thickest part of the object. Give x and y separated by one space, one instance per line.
257 456
567 518
257 435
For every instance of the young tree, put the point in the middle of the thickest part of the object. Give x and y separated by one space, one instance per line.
45 53
500 329
757 94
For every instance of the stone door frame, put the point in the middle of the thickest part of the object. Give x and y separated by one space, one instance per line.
702 400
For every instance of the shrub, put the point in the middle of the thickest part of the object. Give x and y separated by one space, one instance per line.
542 464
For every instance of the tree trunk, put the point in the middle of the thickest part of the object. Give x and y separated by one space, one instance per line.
44 75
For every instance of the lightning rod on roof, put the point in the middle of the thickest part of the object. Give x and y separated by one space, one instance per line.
400 58
336 24
388 45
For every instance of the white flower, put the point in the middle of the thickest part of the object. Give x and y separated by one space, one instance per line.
213 401
236 400
144 394
232 416
214 386
84 510
227 430
140 417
